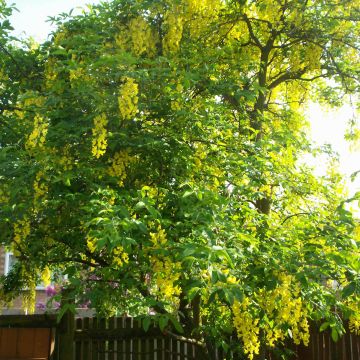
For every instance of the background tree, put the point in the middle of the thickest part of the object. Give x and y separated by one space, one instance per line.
151 151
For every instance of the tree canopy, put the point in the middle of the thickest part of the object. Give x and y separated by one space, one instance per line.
151 151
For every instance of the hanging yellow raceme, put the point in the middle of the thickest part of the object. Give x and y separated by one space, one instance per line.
66 161
199 14
29 298
128 98
142 38
40 189
285 307
354 324
246 327
118 166
120 257
166 271
99 140
38 136
46 276
91 243
173 23
21 230
4 194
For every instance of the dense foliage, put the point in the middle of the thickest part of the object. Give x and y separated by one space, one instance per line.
151 152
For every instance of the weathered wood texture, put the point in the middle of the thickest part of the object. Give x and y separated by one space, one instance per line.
123 339
32 337
322 347
26 343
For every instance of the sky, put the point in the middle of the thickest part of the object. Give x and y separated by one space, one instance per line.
31 20
326 126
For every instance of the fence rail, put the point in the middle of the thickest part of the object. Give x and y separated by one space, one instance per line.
322 346
123 339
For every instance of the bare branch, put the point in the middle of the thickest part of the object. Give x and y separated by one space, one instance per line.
251 31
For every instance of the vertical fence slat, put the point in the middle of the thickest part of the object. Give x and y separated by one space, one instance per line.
167 348
182 351
102 342
121 344
40 346
78 343
128 342
136 342
25 343
111 343
94 341
8 343
85 343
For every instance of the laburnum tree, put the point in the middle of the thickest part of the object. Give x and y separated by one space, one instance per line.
151 156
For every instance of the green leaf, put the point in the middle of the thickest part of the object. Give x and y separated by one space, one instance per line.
146 323
188 193
324 326
334 334
349 290
176 324
163 321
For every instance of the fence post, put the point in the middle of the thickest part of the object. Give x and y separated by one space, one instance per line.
65 336
66 330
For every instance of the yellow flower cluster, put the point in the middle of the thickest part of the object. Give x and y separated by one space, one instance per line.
158 238
118 166
21 230
354 324
29 298
50 71
65 161
33 99
270 11
285 307
4 195
60 36
128 98
38 136
46 276
246 327
312 57
91 243
137 37
40 189
166 271
75 74
174 24
120 257
142 38
201 13
99 141
353 304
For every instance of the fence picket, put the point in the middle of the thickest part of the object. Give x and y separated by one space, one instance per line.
102 343
123 338
111 342
94 341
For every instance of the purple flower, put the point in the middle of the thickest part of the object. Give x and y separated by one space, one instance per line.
56 305
50 291
85 305
40 306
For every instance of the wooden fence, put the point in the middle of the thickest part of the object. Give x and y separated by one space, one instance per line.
123 339
27 338
33 337
322 347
